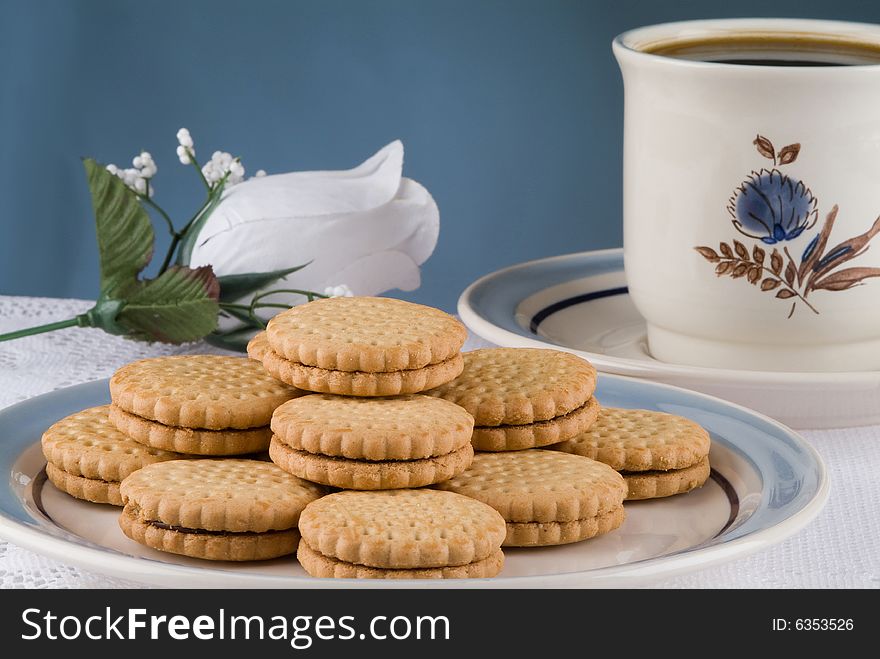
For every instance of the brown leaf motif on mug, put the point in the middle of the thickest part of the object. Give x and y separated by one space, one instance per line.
776 209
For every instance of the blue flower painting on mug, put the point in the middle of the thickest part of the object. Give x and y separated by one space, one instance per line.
772 207
775 208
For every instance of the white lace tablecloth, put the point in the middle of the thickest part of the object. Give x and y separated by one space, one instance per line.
840 549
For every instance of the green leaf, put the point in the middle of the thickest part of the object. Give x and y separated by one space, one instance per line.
125 234
191 233
234 287
180 305
236 339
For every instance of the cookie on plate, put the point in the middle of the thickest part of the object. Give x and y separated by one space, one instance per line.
658 454
545 497
361 346
401 534
524 397
197 404
221 510
372 443
88 457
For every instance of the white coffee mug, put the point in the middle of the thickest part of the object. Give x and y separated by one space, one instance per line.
751 198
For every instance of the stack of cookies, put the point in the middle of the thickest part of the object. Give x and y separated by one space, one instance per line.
88 458
361 346
400 534
197 404
372 444
524 398
658 454
545 497
370 430
221 510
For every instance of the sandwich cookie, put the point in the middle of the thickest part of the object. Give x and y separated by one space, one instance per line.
197 404
545 497
524 397
401 534
658 454
372 443
220 510
88 457
361 346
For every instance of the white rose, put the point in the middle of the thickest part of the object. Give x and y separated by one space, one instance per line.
366 227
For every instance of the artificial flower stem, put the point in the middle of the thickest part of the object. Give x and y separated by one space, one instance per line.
78 321
152 204
177 235
195 163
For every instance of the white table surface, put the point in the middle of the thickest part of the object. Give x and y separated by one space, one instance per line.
840 549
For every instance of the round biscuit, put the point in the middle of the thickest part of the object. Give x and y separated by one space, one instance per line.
368 334
231 495
365 475
199 391
514 386
318 565
401 428
87 444
209 546
545 534
640 440
540 433
190 441
402 529
540 486
87 489
342 383
658 484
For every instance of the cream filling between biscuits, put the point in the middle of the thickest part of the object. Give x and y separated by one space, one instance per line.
135 511
575 411
661 472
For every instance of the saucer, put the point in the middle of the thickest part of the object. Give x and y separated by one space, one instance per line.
579 303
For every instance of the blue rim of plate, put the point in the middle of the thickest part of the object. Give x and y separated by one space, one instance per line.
795 487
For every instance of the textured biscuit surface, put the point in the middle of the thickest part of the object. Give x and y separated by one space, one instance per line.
641 440
87 444
189 440
511 386
544 534
540 486
318 565
403 428
364 475
209 546
368 334
219 495
540 433
347 383
199 391
402 529
87 489
657 484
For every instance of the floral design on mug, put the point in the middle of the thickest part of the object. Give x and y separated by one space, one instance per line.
771 208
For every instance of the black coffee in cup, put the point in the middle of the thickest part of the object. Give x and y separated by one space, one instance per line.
770 49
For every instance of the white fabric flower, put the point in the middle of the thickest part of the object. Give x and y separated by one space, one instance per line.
366 226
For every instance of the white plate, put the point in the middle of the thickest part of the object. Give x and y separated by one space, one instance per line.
767 483
579 303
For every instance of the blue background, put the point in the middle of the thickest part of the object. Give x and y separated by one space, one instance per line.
510 111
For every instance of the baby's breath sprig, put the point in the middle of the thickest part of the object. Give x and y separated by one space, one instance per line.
180 303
